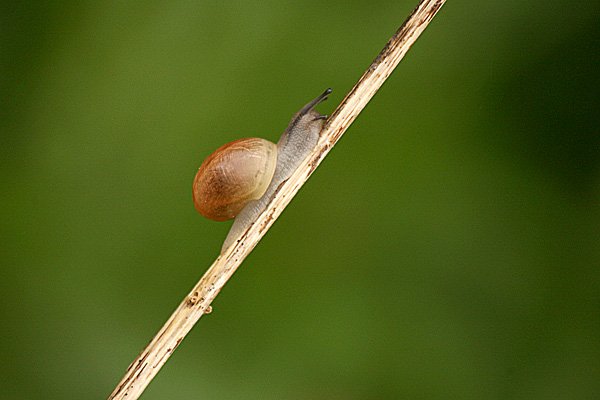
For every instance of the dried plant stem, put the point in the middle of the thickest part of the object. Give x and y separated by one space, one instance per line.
146 366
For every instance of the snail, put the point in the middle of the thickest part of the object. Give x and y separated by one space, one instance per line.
239 179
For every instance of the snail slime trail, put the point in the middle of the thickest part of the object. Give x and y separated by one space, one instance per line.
239 179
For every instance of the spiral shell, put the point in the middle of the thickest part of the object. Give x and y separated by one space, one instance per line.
233 175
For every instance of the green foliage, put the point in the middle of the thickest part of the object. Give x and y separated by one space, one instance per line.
446 248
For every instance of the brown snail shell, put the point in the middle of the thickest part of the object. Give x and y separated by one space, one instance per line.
233 175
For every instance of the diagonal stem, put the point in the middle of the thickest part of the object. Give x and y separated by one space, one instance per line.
143 369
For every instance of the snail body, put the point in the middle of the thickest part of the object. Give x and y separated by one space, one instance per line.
239 179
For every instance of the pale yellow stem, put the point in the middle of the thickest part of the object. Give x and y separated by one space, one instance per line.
143 369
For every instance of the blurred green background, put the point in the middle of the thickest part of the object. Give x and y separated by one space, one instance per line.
448 247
